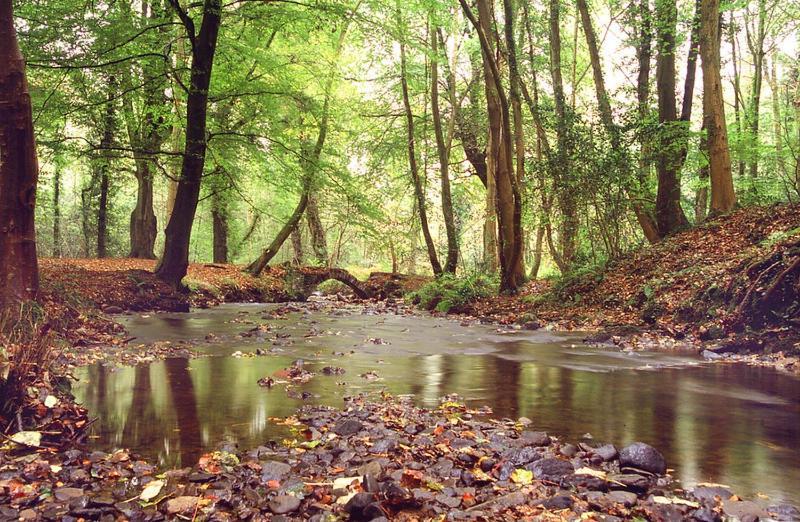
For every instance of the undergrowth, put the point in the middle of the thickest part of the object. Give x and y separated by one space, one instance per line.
449 293
27 354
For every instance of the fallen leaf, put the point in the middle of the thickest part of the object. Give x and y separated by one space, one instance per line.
28 438
522 476
151 490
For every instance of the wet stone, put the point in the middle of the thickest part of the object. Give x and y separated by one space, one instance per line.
273 470
625 498
560 501
535 438
783 512
568 450
552 469
356 505
709 493
201 477
522 456
630 481
642 456
65 494
347 427
743 509
284 504
607 452
705 515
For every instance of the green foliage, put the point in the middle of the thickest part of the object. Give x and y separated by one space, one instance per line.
449 293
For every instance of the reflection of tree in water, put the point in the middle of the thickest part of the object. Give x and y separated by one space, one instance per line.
140 426
185 404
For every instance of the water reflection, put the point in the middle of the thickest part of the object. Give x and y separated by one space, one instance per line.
735 425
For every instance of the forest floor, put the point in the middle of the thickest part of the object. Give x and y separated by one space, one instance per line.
708 287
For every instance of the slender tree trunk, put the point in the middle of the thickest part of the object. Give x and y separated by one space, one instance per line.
219 218
57 210
19 171
644 218
701 194
246 237
517 175
319 242
565 186
737 93
175 261
258 266
756 44
669 214
444 159
146 138
297 246
777 119
412 160
105 168
723 198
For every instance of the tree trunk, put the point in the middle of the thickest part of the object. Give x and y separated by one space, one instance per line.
737 93
19 171
723 198
756 44
777 132
256 267
319 242
565 186
146 138
644 218
57 210
508 203
412 160
105 168
175 261
669 214
219 217
297 247
444 159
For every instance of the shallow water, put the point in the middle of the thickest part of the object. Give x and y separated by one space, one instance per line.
728 424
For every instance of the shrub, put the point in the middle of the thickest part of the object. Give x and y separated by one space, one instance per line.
449 293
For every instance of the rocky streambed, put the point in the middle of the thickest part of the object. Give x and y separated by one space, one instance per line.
378 458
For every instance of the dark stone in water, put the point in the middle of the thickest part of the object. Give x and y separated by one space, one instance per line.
642 456
708 493
784 512
535 438
552 469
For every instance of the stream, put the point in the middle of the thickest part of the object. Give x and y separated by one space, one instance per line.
727 424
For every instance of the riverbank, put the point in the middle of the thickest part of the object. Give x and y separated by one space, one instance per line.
729 287
377 457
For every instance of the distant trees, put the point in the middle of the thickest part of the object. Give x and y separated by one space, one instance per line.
19 171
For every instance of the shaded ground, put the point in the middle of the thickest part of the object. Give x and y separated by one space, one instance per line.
710 283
